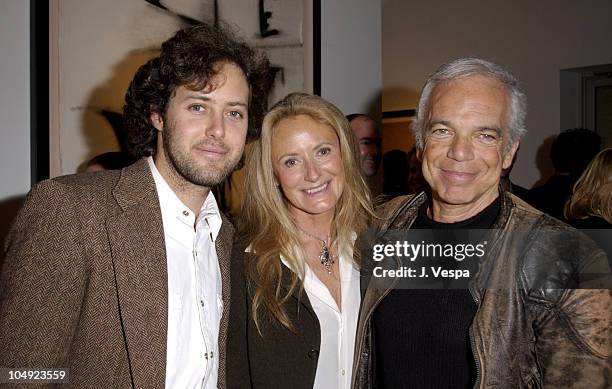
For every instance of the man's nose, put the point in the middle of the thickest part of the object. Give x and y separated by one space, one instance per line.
461 149
215 127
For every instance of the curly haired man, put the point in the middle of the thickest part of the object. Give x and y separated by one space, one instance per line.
123 276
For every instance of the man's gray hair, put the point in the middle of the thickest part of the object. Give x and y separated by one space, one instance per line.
465 67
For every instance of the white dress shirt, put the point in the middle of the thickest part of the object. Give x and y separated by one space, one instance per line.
194 289
338 326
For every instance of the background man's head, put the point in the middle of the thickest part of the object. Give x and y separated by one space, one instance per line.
368 136
194 105
112 160
572 150
470 120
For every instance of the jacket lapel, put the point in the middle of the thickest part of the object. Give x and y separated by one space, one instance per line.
223 246
136 238
299 293
375 290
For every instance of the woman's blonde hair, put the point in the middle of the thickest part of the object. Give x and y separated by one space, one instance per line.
266 222
592 195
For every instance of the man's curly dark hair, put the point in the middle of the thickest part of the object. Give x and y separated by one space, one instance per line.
190 58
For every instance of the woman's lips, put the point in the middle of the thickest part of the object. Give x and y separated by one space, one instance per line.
317 189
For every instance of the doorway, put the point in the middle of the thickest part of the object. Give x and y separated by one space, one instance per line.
586 100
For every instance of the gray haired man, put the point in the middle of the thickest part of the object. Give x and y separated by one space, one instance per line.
525 317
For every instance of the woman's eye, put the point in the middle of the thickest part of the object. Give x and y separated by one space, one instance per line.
324 151
290 162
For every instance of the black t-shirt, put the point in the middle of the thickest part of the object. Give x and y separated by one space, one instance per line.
421 336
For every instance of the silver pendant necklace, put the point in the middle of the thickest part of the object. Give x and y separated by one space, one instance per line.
325 256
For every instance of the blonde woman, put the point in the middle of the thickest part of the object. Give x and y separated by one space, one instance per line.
590 205
296 295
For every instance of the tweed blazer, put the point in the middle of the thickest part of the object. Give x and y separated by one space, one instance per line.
84 284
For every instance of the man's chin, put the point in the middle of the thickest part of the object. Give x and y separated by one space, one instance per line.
369 172
454 197
464 197
207 174
208 180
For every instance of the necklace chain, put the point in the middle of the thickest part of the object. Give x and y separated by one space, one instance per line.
325 256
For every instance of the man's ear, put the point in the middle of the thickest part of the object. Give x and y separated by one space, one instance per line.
157 120
419 154
509 157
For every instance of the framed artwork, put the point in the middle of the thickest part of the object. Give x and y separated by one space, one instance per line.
96 47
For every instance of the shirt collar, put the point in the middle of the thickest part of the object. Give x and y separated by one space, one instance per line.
172 207
211 214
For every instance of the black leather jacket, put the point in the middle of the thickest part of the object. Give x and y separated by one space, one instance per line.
531 330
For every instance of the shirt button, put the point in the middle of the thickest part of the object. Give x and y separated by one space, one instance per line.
202 303
185 213
313 354
343 372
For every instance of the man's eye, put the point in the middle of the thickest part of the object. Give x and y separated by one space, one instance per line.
440 132
196 108
487 138
236 114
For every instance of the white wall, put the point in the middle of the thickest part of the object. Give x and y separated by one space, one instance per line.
351 54
534 39
14 98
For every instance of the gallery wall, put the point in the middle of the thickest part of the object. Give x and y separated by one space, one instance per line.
351 55
14 98
534 39
14 108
